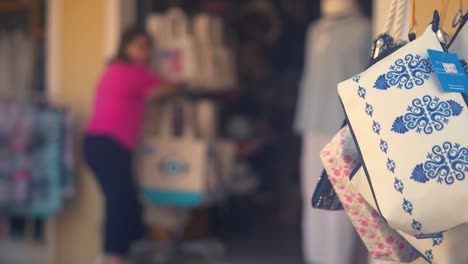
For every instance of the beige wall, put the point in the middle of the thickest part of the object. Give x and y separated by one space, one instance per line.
81 61
424 11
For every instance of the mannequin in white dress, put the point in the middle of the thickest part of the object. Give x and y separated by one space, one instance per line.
337 48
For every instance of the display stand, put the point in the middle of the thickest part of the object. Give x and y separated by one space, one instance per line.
177 250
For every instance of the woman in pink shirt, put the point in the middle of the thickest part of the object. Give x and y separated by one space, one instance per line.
112 134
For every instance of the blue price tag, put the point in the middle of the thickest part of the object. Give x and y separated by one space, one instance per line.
449 71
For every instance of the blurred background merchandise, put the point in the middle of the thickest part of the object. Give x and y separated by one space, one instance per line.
247 59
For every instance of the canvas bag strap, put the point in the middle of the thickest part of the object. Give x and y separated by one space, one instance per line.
166 127
400 14
188 118
202 30
168 113
159 27
216 28
177 23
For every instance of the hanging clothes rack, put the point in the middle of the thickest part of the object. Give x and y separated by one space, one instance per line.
25 17
27 249
33 10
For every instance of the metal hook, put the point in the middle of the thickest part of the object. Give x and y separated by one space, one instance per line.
442 36
458 18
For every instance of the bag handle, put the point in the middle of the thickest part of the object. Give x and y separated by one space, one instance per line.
395 18
168 112
201 28
177 23
188 117
159 27
167 118
216 28
399 19
393 21
218 180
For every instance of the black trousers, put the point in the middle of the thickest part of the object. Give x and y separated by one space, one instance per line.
112 166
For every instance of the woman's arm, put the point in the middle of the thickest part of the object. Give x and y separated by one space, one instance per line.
164 90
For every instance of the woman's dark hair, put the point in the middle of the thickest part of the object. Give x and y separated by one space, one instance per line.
127 37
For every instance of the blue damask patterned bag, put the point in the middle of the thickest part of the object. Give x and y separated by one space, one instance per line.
412 139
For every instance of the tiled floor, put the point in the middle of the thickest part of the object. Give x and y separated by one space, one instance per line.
281 247
273 247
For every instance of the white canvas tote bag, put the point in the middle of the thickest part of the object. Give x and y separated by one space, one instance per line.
412 139
223 58
174 170
174 45
216 69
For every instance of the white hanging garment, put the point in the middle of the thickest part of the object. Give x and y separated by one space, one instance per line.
328 237
327 62
318 117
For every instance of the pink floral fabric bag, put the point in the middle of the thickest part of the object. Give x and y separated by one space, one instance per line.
340 158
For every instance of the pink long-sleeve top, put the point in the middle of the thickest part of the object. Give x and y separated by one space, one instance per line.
120 101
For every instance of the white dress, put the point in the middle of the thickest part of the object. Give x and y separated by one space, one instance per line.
336 49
